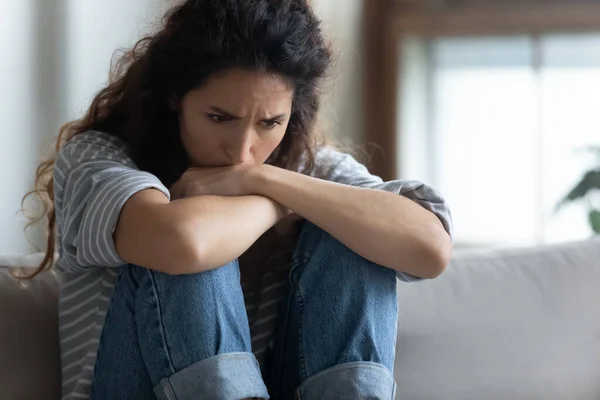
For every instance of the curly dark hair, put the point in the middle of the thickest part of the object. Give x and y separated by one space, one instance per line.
197 39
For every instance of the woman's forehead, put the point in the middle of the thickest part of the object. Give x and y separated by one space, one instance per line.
239 89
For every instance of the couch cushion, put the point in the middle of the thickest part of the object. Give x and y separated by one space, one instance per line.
510 324
29 352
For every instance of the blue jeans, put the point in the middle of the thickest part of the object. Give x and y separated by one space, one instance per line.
187 337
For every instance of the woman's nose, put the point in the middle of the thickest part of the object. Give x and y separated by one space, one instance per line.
240 151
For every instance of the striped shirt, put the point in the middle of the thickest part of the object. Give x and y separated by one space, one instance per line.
94 177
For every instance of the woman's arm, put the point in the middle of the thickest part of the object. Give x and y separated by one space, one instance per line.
193 234
385 228
109 213
391 230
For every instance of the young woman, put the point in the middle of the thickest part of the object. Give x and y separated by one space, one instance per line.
208 248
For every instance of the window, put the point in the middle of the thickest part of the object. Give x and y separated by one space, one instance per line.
497 123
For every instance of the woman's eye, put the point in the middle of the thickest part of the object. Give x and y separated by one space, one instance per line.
217 118
271 124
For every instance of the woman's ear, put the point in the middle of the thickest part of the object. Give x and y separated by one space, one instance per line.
173 102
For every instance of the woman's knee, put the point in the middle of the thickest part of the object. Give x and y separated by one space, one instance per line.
193 297
325 265
315 246
213 279
198 315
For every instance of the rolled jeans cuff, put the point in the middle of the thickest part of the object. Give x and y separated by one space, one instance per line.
226 376
357 380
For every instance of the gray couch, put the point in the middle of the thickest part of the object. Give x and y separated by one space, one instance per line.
507 324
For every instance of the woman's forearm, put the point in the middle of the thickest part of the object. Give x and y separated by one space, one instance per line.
385 228
222 228
193 234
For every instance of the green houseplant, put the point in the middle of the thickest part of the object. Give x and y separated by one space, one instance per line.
589 183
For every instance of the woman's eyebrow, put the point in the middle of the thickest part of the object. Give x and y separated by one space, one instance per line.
227 114
224 113
278 117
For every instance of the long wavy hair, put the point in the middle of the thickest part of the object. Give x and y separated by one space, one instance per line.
197 39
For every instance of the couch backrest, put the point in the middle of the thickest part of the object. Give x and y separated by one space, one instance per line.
29 356
511 324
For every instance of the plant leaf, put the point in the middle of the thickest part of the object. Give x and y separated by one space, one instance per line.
595 221
590 181
594 218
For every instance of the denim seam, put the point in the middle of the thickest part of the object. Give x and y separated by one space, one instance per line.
301 357
297 261
119 278
307 254
161 322
169 391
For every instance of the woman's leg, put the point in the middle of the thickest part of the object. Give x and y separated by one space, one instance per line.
179 337
337 337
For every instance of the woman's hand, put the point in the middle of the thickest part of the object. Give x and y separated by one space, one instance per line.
223 181
233 181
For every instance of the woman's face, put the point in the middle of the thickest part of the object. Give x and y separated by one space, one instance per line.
236 117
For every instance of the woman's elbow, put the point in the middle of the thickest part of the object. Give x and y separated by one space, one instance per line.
429 257
184 253
437 254
189 259
440 258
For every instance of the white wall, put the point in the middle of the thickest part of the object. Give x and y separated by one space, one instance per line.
95 30
55 56
17 116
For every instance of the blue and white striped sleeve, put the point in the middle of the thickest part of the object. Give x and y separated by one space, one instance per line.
93 178
345 169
